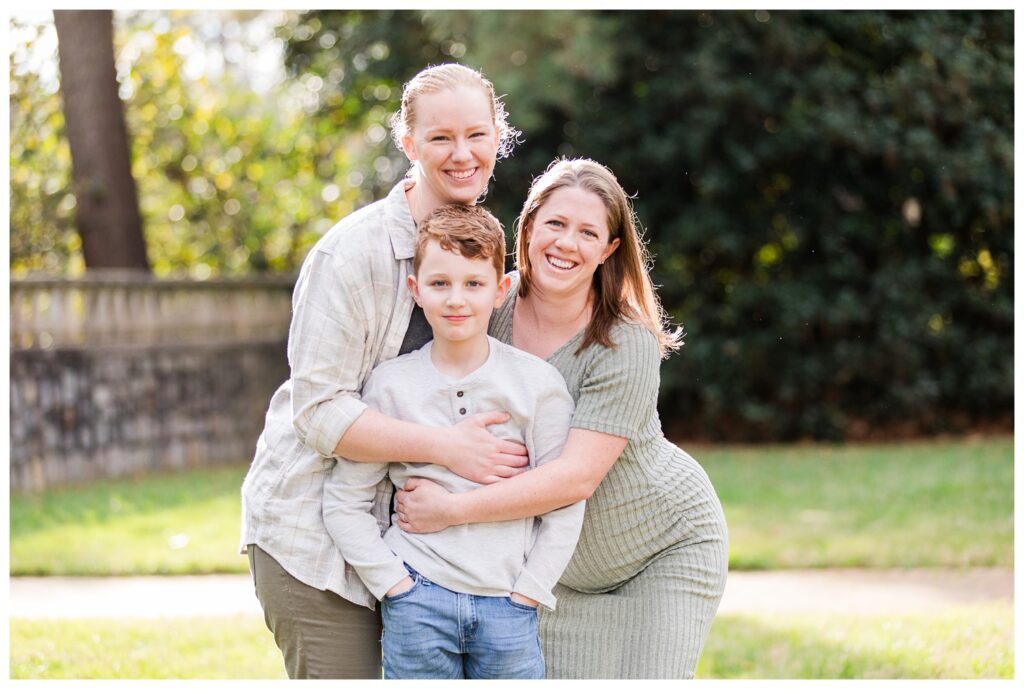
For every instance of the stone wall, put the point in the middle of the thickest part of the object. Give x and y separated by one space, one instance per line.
166 389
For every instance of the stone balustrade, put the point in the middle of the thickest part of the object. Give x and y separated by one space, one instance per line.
128 308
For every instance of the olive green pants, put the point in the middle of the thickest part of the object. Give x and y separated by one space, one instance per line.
321 635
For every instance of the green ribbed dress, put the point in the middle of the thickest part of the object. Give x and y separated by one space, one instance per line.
639 595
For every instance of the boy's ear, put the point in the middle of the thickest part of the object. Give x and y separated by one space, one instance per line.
414 288
503 284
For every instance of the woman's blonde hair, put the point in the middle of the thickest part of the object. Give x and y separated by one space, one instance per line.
622 287
450 76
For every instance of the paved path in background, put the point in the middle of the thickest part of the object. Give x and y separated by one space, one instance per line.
856 591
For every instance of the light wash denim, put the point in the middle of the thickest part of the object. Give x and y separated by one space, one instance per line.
431 632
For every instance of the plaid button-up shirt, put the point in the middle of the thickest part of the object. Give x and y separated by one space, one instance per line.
350 311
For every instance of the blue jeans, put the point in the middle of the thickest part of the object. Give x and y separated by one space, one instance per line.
431 632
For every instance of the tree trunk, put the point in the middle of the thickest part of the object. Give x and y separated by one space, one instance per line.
108 216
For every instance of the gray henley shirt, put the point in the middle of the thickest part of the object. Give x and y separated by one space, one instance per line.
525 556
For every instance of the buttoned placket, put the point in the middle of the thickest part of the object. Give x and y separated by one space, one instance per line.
460 404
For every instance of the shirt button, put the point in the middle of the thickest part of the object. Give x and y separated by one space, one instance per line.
459 393
462 411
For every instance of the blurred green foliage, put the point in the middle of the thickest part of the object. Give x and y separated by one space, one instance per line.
828 194
42 230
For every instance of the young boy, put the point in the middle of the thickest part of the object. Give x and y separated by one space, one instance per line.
462 602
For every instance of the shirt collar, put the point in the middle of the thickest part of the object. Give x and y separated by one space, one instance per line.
399 223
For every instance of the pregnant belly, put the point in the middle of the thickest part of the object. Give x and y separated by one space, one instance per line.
642 508
621 535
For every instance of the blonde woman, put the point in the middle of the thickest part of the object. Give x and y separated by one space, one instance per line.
638 598
352 310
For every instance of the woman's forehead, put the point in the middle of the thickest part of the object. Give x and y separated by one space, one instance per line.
462 105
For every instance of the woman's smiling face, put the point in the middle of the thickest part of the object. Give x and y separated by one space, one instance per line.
568 239
455 142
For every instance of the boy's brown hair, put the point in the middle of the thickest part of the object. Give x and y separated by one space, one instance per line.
469 231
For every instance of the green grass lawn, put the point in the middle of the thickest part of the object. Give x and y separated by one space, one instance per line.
212 648
185 523
970 643
944 503
922 504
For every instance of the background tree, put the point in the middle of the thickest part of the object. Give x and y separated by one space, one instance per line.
107 211
234 171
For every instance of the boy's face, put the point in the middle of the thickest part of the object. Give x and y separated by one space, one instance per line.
457 294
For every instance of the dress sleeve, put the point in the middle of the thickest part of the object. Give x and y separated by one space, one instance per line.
619 388
326 346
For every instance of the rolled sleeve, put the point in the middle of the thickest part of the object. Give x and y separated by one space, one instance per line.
330 421
332 309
